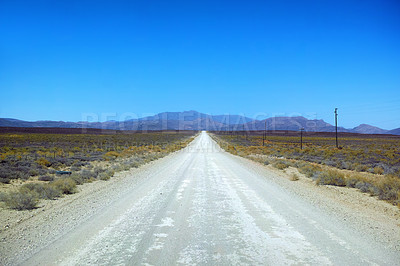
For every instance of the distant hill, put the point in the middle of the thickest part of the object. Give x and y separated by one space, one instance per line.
293 124
367 129
193 120
9 122
394 131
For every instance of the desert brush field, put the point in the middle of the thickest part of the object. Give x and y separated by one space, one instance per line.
36 165
370 163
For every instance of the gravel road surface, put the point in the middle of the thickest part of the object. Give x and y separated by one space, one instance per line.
202 206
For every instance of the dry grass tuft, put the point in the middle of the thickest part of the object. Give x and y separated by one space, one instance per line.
331 177
280 164
20 200
65 185
294 177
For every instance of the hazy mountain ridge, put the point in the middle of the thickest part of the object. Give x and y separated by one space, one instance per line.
368 129
294 124
395 131
193 120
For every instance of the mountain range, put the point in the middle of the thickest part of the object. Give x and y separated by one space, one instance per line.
193 120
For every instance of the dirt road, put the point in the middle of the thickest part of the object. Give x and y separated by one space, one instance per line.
204 206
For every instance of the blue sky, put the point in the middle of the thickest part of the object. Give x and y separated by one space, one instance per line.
63 60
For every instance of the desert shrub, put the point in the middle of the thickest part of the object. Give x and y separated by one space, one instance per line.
33 172
43 191
230 149
299 164
352 180
78 163
4 180
117 167
311 171
125 166
364 186
346 165
77 178
65 185
30 187
63 161
52 171
280 165
50 192
23 175
97 170
57 165
14 172
42 171
87 174
387 170
378 170
110 172
388 188
43 162
45 178
22 164
134 162
3 196
294 177
360 168
370 170
21 200
75 168
4 171
111 155
106 175
331 177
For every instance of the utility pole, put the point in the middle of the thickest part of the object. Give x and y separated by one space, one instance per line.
336 114
265 132
301 138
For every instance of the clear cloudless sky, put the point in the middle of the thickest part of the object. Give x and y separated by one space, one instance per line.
63 60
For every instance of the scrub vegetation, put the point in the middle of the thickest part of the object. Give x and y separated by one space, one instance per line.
370 163
47 166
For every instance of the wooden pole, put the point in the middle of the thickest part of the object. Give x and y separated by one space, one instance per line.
301 138
336 114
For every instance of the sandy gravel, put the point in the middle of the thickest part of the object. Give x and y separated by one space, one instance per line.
204 206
